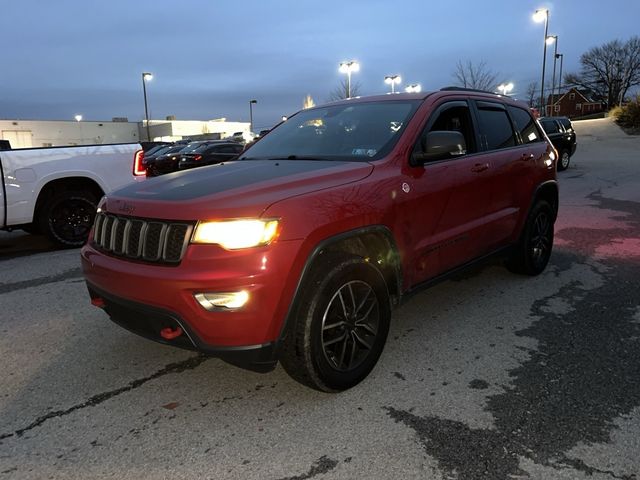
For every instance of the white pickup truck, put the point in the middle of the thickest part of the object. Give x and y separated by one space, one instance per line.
56 190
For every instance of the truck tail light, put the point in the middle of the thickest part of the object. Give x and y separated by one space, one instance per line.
138 164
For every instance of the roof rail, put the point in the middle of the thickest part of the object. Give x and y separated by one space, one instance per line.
463 89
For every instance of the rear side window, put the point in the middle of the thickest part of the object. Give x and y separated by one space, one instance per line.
525 124
496 128
550 126
566 123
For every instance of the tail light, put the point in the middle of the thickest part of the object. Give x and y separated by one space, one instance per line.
139 168
197 157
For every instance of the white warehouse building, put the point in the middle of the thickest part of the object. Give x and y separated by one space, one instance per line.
52 133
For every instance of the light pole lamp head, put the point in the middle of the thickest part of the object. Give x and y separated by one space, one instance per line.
540 15
392 79
78 118
413 88
146 76
349 67
253 101
505 87
551 39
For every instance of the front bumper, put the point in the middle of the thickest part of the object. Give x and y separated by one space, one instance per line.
148 322
163 296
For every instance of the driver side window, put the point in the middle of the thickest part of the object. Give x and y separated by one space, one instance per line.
455 117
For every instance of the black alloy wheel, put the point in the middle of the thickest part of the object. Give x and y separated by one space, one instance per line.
68 217
563 161
531 255
350 325
340 323
541 240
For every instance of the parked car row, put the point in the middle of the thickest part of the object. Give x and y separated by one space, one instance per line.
173 157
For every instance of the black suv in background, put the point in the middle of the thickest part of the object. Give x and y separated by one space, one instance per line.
561 133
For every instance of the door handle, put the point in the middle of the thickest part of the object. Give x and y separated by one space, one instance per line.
526 156
480 167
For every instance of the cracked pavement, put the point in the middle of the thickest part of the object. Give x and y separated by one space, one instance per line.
488 375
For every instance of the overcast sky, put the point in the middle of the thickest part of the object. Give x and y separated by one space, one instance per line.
210 57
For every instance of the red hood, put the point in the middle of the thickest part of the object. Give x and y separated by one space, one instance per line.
231 190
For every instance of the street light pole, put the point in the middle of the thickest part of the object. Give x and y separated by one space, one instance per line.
146 76
561 56
348 67
392 80
251 102
505 88
538 18
553 78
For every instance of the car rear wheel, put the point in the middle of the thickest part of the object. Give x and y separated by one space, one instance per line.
341 325
532 253
67 217
563 161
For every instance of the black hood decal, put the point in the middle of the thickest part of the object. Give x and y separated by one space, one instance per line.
199 182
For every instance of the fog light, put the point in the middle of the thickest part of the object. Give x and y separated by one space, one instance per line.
222 300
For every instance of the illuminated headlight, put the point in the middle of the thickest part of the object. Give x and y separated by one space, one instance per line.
235 234
222 300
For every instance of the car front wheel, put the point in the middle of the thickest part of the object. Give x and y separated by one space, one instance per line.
341 325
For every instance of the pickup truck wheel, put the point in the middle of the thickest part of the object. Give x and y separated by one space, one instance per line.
341 327
67 217
533 251
563 161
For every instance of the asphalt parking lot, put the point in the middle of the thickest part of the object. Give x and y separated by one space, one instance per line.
489 375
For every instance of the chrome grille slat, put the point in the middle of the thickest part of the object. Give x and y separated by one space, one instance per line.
154 241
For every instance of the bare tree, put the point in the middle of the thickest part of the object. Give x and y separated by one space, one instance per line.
477 76
532 94
340 92
609 70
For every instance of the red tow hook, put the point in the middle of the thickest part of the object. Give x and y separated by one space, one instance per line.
169 333
98 302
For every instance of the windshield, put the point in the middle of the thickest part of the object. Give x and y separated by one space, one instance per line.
355 132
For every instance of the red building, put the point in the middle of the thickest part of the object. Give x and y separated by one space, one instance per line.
573 103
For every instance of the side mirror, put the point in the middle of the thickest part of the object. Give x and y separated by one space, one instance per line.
440 145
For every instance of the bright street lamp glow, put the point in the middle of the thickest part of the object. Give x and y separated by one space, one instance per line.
349 67
551 39
413 88
505 87
540 15
391 79
147 76
78 118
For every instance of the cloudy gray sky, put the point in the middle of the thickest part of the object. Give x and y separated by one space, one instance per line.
209 58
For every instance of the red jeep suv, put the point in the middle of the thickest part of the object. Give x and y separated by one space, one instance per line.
298 251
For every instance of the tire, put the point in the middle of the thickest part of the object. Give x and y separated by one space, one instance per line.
563 160
533 251
67 217
341 324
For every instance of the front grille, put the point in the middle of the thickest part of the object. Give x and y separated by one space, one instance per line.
154 241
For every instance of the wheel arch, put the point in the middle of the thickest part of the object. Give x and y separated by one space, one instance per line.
547 191
374 243
76 183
